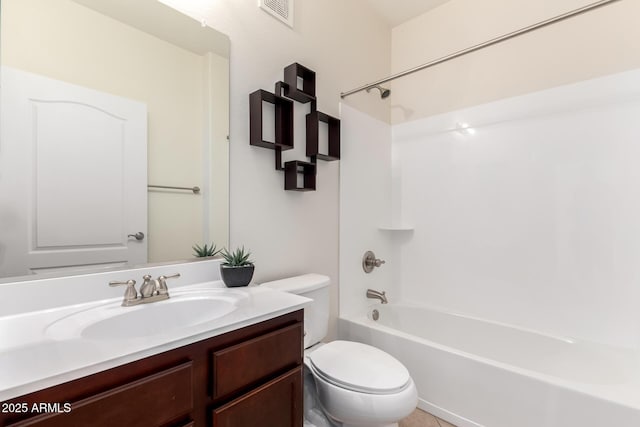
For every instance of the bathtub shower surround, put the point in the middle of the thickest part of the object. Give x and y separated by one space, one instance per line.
476 373
529 214
365 197
522 270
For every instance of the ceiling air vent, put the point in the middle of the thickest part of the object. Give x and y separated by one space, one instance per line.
281 9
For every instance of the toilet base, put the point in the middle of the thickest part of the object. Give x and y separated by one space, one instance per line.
347 408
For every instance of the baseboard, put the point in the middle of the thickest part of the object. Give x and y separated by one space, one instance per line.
446 415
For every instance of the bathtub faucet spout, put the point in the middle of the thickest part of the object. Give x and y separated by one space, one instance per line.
378 295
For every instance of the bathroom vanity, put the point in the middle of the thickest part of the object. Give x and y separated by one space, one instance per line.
235 379
81 365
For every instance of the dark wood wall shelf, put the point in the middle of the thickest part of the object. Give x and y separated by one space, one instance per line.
283 120
284 140
291 90
313 135
291 171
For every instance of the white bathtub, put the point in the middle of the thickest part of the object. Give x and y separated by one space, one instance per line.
473 372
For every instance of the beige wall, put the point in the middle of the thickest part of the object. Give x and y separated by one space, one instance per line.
597 43
42 36
292 233
218 212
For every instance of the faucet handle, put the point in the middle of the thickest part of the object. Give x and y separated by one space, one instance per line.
114 283
130 294
148 287
369 262
162 283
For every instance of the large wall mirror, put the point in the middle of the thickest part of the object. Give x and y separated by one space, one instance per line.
105 104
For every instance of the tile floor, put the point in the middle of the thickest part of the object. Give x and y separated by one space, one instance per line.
420 418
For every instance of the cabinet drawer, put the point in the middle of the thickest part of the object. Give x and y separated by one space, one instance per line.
256 360
150 401
276 404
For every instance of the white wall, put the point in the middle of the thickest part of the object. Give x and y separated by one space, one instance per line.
218 162
533 218
292 233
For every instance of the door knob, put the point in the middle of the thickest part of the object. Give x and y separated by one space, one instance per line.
138 236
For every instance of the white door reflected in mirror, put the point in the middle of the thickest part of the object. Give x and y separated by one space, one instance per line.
74 176
150 54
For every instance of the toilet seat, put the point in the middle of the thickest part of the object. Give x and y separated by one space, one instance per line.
359 367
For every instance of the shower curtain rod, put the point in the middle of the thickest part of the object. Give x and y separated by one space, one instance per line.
481 45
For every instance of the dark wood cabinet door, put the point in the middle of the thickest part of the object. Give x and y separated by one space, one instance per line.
256 360
150 401
277 403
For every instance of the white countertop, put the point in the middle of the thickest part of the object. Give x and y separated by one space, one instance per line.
30 359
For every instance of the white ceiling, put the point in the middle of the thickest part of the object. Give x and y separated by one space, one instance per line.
398 11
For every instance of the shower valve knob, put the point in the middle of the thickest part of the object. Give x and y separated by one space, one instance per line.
369 262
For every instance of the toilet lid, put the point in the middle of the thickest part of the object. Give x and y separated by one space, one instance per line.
359 367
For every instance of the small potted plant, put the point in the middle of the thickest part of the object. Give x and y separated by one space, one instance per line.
205 251
237 268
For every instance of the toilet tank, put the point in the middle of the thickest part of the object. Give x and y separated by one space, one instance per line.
316 314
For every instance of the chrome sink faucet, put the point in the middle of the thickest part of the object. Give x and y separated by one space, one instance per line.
152 290
377 295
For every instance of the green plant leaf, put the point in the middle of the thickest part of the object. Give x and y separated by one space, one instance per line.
205 251
236 258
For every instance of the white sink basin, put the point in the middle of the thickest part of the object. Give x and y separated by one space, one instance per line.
113 322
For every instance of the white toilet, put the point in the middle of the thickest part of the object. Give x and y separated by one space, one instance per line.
356 385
